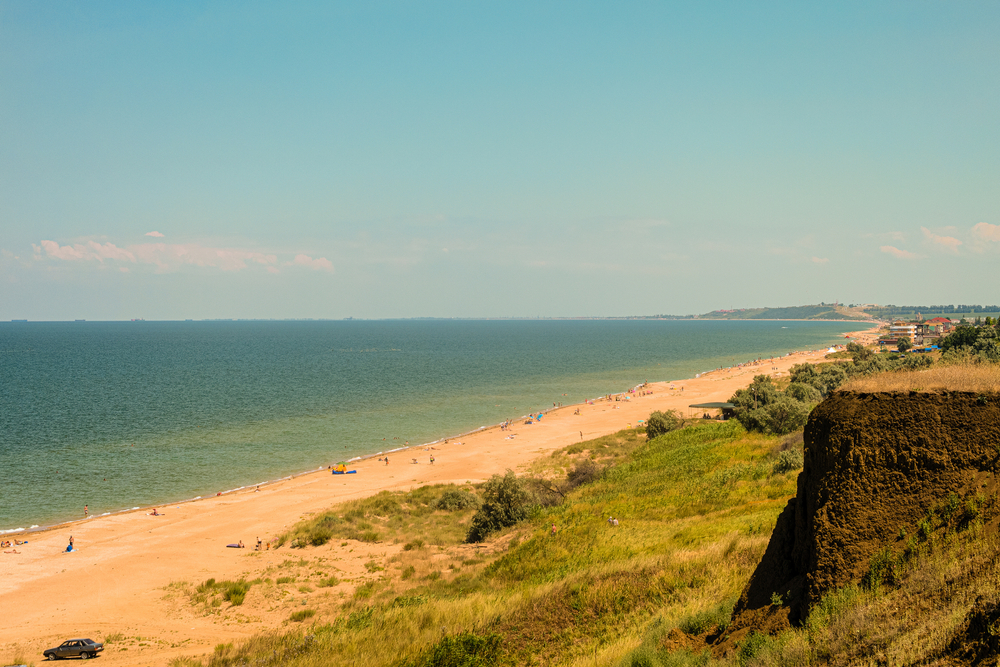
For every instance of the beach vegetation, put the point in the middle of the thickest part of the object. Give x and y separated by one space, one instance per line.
505 502
859 352
301 615
661 422
433 514
212 593
695 508
788 461
456 499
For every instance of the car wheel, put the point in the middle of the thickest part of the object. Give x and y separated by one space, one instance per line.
50 656
84 655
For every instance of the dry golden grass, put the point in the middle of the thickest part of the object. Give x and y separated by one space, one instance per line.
981 378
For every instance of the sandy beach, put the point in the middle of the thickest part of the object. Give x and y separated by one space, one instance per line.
119 578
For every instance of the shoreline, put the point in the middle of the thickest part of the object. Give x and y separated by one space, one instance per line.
40 528
133 561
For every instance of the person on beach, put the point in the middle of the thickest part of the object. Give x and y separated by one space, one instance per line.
387 460
86 510
432 458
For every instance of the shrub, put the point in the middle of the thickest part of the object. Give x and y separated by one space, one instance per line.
804 393
464 650
329 582
859 352
788 460
883 569
505 502
456 499
320 536
753 644
235 592
760 393
584 472
783 415
660 422
299 616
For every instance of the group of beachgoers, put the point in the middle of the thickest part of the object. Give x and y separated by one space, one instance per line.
12 545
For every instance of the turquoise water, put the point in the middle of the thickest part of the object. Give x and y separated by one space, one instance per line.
121 414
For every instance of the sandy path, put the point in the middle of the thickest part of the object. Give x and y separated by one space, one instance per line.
116 580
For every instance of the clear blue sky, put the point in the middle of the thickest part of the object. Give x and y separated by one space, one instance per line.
400 159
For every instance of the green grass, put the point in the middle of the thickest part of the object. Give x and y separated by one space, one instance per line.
695 510
429 514
211 593
299 616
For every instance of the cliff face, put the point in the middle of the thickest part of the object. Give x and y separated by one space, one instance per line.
874 464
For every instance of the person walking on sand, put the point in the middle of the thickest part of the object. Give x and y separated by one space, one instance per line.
432 458
387 460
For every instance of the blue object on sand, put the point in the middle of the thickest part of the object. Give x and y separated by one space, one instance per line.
344 472
69 548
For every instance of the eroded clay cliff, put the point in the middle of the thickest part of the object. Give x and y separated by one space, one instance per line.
874 464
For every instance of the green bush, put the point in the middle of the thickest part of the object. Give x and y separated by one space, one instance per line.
788 460
236 591
505 501
780 416
464 650
753 644
456 499
320 536
584 472
299 616
804 393
660 422
859 352
760 393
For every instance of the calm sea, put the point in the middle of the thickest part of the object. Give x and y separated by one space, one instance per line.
121 414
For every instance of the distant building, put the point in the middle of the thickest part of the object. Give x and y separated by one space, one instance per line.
899 329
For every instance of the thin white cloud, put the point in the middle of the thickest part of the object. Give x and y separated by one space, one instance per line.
897 253
820 260
89 251
156 234
947 242
986 232
317 264
164 256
